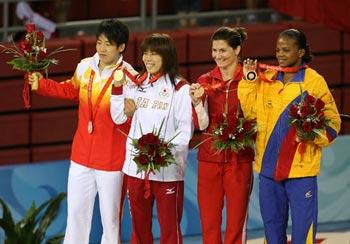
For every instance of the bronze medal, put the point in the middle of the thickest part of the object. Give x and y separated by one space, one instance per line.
251 76
198 92
90 127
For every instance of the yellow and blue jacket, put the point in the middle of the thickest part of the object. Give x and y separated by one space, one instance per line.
269 104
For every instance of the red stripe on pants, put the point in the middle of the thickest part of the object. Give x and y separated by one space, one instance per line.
217 181
169 200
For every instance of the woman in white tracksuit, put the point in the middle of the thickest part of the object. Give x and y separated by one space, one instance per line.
158 95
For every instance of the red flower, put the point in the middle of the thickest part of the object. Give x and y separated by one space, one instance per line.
309 99
148 139
240 136
142 159
225 134
41 55
25 46
294 111
30 28
151 149
159 159
39 36
319 104
307 126
305 110
247 126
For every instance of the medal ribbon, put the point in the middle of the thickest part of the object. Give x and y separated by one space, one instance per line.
262 66
153 78
92 115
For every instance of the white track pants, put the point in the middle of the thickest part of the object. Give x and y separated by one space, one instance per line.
83 185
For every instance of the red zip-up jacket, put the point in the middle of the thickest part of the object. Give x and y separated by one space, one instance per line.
216 103
104 149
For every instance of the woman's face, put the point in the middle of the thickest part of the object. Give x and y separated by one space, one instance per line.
153 62
288 53
108 52
223 54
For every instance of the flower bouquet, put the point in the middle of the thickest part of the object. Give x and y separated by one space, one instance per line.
308 117
235 136
152 154
31 55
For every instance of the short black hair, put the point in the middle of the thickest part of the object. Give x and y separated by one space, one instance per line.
115 31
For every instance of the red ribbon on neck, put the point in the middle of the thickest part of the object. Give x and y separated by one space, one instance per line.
153 78
262 67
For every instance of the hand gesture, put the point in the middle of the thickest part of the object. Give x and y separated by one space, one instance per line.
196 92
33 80
249 69
129 107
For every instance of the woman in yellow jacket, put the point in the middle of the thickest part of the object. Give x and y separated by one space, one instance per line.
287 162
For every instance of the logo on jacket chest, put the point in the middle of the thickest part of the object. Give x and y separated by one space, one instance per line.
142 102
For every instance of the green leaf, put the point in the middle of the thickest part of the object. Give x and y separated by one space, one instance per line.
55 240
53 206
7 223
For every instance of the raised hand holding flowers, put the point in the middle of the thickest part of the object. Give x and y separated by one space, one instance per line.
31 55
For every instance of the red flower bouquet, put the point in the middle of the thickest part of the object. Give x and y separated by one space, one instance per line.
308 117
152 153
235 136
31 55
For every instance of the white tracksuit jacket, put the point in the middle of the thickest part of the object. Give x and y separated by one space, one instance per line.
157 102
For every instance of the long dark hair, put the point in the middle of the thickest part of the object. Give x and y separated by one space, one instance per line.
300 40
163 45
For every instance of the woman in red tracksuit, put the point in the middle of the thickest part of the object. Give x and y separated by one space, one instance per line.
222 176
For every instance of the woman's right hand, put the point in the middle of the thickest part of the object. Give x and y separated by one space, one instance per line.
129 107
33 80
249 69
196 92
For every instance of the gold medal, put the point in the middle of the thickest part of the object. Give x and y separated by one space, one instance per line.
90 127
119 78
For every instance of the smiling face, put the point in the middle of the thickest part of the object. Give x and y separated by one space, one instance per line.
288 53
153 62
108 52
223 54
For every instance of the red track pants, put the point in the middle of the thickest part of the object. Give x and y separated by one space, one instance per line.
216 182
169 200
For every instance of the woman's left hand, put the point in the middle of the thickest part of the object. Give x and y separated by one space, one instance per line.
249 69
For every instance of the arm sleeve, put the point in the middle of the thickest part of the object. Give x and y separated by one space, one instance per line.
183 117
68 89
247 95
331 113
201 117
117 105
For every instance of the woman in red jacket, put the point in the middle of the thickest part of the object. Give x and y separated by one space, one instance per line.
223 176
